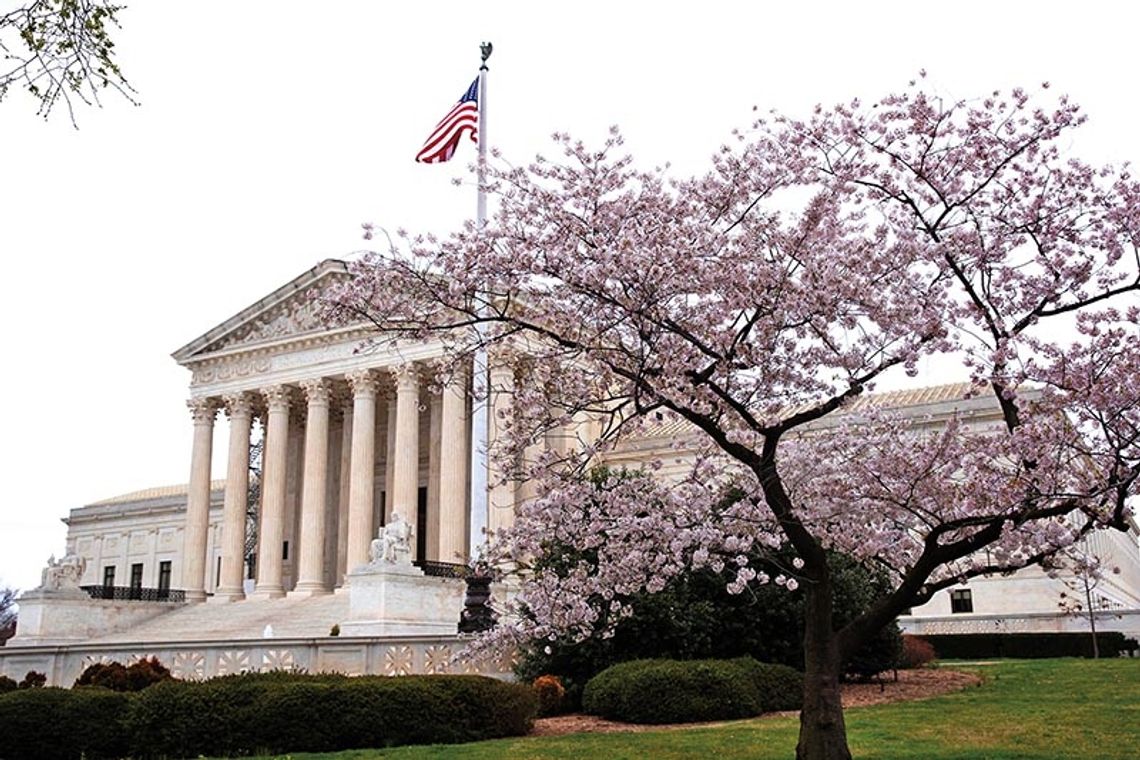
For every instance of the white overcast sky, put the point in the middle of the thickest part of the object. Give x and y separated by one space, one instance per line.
269 131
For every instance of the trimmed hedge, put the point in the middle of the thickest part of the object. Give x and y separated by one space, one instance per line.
61 724
673 691
278 713
971 646
778 687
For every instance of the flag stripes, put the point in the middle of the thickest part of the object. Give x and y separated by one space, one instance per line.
462 118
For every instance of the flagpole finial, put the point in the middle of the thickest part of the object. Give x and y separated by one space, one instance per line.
485 49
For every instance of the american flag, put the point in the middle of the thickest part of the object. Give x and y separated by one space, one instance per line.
463 117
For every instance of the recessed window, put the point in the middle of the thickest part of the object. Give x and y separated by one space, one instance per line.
961 600
164 576
285 550
109 575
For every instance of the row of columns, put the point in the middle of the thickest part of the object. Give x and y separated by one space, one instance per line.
360 453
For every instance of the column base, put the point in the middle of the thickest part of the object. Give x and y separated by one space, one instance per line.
195 595
267 592
224 596
307 591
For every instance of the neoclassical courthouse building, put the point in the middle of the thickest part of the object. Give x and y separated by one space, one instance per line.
273 567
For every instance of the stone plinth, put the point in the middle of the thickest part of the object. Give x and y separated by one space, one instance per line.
70 616
397 599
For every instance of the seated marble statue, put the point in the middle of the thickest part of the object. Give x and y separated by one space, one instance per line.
65 573
394 544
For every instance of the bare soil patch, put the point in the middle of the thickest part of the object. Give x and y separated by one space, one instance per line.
911 685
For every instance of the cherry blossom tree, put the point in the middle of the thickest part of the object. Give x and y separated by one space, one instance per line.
751 305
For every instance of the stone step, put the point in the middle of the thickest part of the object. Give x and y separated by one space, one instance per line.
247 619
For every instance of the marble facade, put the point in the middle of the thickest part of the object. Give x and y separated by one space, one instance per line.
350 436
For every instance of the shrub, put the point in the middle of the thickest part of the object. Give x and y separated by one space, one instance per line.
916 652
881 653
283 712
673 691
109 675
778 687
57 724
118 677
550 693
33 680
7 684
147 672
970 646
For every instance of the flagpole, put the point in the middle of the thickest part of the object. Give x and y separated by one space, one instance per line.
479 389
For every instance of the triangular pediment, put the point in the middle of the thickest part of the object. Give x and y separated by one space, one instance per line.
290 311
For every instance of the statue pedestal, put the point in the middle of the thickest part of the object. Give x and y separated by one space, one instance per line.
397 599
70 616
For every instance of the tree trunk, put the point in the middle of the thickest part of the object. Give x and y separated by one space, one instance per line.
823 733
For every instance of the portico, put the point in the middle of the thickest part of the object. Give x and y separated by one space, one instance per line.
349 436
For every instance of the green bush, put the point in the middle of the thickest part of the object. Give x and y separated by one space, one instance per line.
881 653
673 691
778 687
57 724
7 684
282 712
970 646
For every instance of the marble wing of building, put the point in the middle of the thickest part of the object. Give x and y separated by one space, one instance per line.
334 539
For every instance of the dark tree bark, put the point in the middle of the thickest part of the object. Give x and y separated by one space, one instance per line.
823 731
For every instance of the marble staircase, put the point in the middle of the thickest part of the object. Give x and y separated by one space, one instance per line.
310 617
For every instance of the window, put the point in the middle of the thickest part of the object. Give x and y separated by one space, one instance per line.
136 580
109 575
961 600
164 576
285 550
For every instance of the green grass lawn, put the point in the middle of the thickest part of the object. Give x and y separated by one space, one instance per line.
1026 709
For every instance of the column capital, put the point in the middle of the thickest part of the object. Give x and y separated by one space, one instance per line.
277 397
317 391
239 404
406 376
363 382
203 410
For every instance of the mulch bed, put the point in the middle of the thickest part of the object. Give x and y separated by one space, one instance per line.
911 685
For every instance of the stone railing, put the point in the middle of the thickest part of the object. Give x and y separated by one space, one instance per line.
388 656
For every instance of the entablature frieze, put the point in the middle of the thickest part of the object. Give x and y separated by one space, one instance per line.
220 376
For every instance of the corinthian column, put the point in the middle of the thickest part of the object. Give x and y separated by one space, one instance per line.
239 408
342 494
406 487
363 466
203 410
271 530
314 496
453 458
